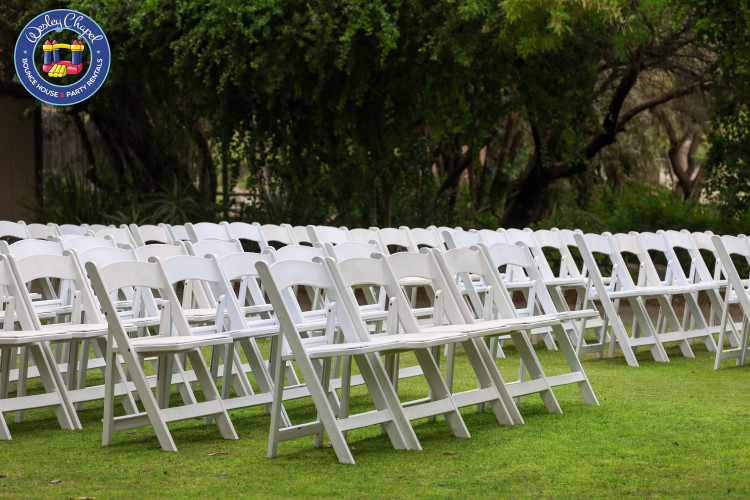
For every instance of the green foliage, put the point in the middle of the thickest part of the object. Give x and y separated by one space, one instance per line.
70 198
638 208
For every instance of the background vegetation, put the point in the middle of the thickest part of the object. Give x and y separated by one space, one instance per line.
387 112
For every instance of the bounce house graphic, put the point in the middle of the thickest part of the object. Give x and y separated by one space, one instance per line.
53 66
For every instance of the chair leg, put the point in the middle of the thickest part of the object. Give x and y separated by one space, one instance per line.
439 391
23 378
109 397
223 422
52 384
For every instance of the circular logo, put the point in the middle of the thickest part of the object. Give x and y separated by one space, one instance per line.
62 57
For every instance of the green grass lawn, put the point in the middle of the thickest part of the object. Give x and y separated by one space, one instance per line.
676 429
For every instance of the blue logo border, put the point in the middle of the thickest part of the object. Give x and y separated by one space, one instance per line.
102 45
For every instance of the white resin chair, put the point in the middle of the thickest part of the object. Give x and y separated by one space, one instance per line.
36 343
726 247
312 353
619 286
174 338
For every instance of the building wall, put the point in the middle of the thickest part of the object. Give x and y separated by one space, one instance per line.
20 156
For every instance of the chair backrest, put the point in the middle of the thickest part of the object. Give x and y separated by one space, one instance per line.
103 256
328 234
352 249
177 232
206 273
458 265
363 235
72 229
440 230
161 251
242 268
41 231
149 233
460 238
278 233
681 239
58 267
519 257
301 236
422 265
121 235
207 231
551 238
704 241
396 239
217 247
590 244
13 230
149 280
82 243
726 247
426 237
280 278
631 243
25 248
490 237
296 252
243 231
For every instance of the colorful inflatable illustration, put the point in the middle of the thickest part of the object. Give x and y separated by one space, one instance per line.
55 67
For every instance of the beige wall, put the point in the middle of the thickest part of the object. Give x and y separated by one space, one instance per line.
20 156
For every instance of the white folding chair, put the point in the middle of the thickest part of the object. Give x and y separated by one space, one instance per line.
228 318
76 314
178 232
396 240
72 229
726 247
620 286
699 275
362 234
542 313
174 338
36 343
446 319
312 354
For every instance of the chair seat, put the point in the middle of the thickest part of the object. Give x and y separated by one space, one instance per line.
354 348
19 338
566 282
165 345
77 331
